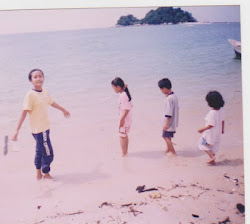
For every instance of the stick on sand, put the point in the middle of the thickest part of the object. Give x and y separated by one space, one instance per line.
5 149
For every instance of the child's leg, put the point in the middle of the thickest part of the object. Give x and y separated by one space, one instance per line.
124 145
124 140
38 157
47 155
39 175
211 156
170 146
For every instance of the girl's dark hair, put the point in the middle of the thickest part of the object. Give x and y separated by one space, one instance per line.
215 100
34 70
165 83
119 82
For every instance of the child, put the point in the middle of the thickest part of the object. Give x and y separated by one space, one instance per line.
125 106
214 126
36 103
171 114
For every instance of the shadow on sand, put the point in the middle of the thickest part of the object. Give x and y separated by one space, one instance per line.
80 178
147 154
190 153
232 162
73 178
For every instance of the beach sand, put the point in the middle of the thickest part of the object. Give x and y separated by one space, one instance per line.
97 185
93 183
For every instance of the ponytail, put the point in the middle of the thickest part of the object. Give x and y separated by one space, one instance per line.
119 82
128 94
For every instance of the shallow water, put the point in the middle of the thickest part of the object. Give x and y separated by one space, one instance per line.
79 66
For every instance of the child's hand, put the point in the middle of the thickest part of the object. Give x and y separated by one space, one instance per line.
200 130
122 122
66 113
14 137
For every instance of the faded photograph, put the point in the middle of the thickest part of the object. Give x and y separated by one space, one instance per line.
121 115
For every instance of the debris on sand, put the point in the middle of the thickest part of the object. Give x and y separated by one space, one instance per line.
135 212
155 195
60 215
106 204
141 189
225 220
195 216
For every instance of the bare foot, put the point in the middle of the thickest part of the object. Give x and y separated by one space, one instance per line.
47 176
171 154
39 176
211 161
124 154
167 151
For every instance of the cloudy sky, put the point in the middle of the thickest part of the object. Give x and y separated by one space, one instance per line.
19 21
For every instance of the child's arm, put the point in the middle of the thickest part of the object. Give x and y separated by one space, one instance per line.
205 128
65 112
21 119
223 127
166 125
122 120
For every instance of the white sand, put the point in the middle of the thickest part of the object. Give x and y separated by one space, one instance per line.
88 170
86 179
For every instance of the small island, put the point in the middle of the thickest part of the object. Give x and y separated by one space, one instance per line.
162 15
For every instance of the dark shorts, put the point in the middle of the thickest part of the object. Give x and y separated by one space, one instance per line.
44 151
168 134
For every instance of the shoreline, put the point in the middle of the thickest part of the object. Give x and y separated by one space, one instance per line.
111 27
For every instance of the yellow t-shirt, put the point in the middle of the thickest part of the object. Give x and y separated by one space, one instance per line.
37 105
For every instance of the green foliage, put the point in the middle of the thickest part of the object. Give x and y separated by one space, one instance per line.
159 16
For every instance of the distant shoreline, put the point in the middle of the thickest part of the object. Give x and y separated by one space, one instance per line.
108 27
185 23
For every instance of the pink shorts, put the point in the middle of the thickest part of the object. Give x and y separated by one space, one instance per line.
123 132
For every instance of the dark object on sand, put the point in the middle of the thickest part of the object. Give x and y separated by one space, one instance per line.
236 181
127 205
224 221
6 141
141 189
226 176
240 207
196 216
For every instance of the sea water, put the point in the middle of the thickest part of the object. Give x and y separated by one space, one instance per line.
80 65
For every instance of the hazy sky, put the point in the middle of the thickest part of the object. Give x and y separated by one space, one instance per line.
65 19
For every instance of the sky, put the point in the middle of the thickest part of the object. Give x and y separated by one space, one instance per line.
21 21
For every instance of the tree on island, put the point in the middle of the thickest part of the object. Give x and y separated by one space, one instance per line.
159 16
127 20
